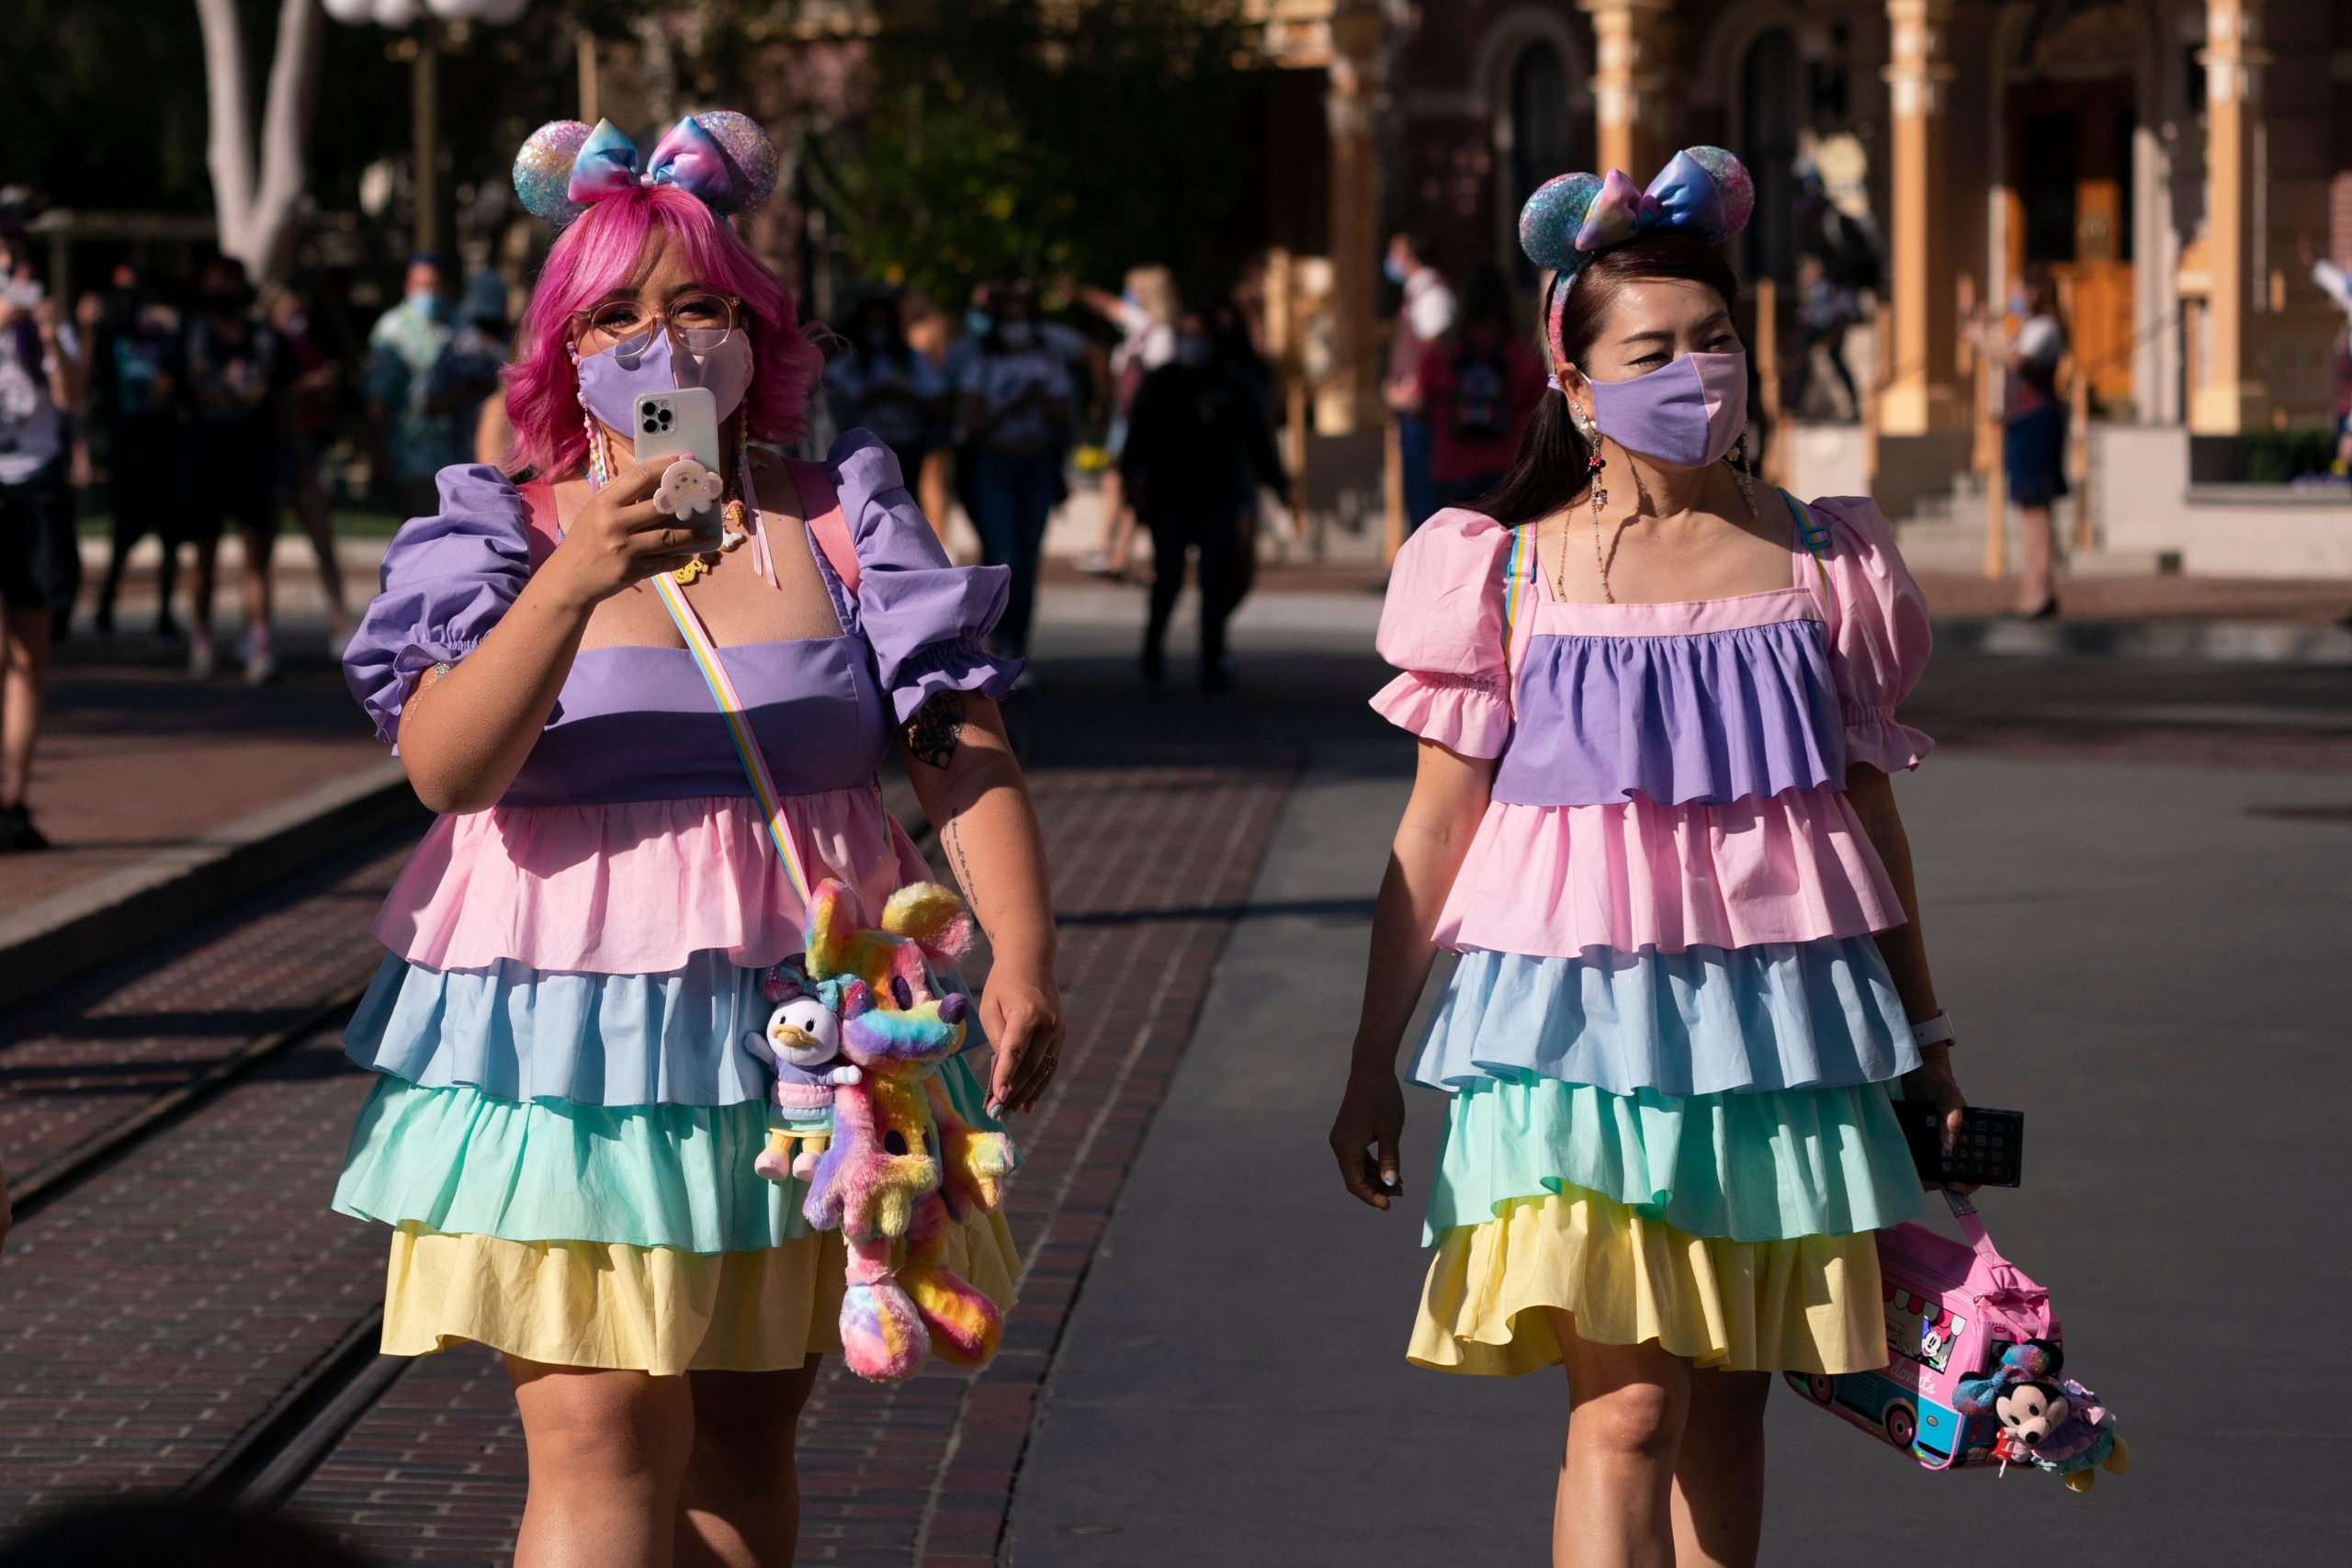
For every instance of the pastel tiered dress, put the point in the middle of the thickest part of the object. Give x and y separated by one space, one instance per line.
563 1131
1668 1040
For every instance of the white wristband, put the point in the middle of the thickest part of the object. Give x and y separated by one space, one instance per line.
1937 1030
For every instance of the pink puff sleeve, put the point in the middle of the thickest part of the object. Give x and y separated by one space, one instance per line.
1878 633
1442 625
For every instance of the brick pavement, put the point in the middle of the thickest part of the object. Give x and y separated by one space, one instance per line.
1150 864
152 1312
73 1062
136 758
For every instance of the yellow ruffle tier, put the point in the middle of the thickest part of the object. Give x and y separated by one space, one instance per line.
1808 1305
654 1309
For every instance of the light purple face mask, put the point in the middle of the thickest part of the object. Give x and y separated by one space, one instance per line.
1687 413
611 380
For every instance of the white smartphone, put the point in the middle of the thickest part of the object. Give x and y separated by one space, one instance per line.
680 422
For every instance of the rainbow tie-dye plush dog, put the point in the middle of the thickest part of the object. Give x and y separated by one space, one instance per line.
901 1165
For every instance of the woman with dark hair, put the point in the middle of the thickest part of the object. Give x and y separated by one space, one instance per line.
1655 707
2033 427
1476 386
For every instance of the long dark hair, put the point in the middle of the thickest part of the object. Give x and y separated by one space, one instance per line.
1550 468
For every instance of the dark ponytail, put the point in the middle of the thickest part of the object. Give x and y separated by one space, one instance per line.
1553 464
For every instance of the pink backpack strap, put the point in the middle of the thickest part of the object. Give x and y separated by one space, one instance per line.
821 505
543 532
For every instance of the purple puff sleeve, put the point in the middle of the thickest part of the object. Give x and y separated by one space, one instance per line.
447 580
923 616
1879 638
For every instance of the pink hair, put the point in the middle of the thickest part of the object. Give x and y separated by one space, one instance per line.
597 254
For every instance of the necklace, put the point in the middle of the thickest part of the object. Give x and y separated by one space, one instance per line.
1601 557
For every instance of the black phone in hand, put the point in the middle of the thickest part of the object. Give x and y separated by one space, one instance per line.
1989 1152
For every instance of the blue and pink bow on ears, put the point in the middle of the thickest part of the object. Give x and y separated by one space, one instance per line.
1704 192
722 157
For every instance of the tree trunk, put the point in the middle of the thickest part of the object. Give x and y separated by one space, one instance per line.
257 213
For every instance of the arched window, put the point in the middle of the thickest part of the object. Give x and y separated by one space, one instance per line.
1768 144
1539 129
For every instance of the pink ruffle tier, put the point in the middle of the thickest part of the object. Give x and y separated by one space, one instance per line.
1551 881
634 888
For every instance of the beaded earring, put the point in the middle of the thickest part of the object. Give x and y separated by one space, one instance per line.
1594 467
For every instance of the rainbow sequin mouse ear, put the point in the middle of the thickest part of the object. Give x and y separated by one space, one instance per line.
1549 221
1734 190
751 157
543 170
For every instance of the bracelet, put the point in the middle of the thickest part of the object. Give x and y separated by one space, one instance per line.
1936 1030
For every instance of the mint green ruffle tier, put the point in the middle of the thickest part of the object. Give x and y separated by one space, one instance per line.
1768 1166
675 1176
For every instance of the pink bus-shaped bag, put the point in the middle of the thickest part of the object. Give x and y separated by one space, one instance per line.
1953 1311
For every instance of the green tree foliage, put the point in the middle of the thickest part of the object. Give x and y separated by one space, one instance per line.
1016 138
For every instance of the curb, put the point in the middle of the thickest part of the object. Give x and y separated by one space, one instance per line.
2228 642
56 938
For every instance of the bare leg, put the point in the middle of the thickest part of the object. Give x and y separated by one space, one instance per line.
1630 1403
741 1504
24 671
2034 592
200 607
318 522
608 1456
260 542
1719 1473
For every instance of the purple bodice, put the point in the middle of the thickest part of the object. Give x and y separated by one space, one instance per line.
1706 717
639 723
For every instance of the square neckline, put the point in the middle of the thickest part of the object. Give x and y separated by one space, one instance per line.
1798 550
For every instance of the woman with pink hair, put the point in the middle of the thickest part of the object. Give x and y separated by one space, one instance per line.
584 951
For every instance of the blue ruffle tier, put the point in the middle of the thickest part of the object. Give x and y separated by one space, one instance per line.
519 1034
1705 1021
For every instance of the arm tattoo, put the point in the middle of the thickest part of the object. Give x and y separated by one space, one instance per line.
951 839
936 730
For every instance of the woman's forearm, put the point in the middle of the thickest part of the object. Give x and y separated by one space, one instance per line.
972 789
1449 798
465 735
1905 947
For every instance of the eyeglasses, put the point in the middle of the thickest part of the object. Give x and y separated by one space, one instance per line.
701 319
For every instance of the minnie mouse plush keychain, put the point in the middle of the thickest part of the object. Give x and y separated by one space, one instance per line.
2052 1424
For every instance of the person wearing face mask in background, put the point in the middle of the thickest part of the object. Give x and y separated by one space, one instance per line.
880 382
308 401
239 377
1424 314
1017 406
1478 384
135 404
414 441
1656 712
1197 448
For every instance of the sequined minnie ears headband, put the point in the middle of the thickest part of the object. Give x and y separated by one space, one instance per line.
721 156
1703 192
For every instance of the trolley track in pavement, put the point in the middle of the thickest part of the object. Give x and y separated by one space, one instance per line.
267 1460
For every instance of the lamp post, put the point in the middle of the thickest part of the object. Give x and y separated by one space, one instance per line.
425 16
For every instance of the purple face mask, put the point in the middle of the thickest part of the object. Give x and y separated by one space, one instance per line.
610 380
1687 413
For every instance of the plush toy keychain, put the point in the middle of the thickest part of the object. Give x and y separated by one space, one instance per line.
857 1036
2053 1425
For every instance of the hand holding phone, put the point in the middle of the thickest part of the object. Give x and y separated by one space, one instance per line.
680 422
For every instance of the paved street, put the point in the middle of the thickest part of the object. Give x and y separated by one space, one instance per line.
2133 874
